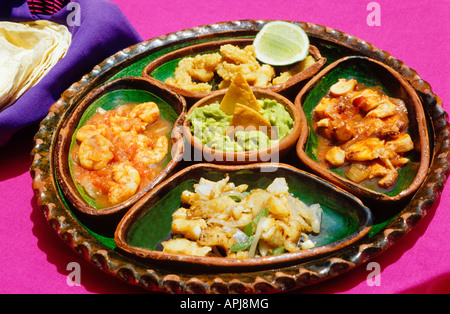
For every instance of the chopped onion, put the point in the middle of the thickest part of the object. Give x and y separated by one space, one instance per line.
259 231
234 193
100 110
278 186
240 236
315 223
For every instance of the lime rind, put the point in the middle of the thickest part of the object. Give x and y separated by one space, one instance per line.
281 43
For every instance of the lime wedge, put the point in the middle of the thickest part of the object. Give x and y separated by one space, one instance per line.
281 43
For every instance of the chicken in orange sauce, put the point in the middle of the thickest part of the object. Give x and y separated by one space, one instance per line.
362 131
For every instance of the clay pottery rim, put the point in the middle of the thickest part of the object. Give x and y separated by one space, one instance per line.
215 45
209 263
64 139
366 194
272 153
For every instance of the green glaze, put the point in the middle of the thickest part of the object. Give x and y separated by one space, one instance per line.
340 211
110 101
369 74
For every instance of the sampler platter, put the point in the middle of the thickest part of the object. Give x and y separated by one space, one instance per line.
89 237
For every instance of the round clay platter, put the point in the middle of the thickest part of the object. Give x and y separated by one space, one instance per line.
97 245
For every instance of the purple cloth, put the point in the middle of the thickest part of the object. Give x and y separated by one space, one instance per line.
103 31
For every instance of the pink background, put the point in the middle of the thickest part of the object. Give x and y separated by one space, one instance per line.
34 259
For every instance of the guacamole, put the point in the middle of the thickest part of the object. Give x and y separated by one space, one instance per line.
209 124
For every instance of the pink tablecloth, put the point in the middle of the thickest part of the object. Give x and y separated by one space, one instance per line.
35 260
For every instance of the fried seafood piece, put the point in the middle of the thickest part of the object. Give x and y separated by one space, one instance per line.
185 246
190 228
216 236
194 73
228 71
297 68
237 60
200 67
203 66
264 75
236 55
250 224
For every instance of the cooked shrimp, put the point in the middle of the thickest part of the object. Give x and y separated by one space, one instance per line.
147 112
151 155
95 152
120 123
87 131
126 182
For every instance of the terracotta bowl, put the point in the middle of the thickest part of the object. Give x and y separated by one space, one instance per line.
345 219
273 153
371 73
108 96
164 66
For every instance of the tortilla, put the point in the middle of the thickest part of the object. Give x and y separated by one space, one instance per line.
239 92
248 119
28 51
